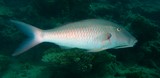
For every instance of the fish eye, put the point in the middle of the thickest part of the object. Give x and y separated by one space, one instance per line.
118 29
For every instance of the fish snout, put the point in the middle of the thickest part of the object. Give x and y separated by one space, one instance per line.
133 42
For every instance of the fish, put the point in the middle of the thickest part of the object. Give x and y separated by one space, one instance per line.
92 35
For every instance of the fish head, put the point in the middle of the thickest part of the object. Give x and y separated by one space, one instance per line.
121 38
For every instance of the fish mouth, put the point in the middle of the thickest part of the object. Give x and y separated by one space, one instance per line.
133 42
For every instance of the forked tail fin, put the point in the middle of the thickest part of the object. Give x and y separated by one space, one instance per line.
35 36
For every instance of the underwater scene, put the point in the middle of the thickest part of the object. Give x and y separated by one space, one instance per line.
80 38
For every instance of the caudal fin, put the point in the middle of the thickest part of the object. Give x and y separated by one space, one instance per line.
35 36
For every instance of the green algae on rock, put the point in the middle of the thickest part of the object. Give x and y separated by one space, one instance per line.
76 61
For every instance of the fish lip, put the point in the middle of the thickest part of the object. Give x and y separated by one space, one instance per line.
134 42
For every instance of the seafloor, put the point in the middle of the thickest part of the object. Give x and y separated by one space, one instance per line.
140 17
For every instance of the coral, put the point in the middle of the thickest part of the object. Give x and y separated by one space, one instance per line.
76 61
80 61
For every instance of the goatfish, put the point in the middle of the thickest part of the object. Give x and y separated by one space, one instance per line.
93 35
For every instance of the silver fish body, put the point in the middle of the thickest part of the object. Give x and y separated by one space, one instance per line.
93 35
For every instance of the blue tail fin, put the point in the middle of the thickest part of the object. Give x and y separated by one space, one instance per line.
35 36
